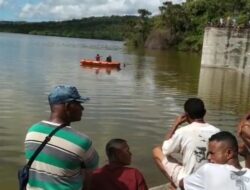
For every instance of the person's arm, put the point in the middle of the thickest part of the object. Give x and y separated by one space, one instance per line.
243 130
91 159
242 123
245 153
158 156
178 121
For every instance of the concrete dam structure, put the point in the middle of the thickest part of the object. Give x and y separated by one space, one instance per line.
226 47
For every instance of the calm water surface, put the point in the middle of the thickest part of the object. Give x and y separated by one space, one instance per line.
137 103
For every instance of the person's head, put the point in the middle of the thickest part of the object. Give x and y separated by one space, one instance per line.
194 108
222 148
244 130
117 151
65 103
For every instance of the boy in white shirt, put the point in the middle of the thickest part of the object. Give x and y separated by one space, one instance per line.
189 141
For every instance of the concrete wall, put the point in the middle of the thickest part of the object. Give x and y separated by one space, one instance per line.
227 48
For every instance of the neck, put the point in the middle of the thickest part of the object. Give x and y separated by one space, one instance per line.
55 119
201 120
234 162
116 163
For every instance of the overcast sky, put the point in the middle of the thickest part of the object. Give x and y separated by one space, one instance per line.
57 10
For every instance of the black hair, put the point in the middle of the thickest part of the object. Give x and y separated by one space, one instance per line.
112 146
195 108
225 136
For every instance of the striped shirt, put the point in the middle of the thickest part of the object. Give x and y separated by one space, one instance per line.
61 162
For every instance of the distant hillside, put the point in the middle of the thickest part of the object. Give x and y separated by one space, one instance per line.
110 28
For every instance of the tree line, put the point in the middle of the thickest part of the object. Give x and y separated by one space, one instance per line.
181 26
109 28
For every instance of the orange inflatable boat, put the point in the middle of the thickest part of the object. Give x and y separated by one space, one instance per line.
94 63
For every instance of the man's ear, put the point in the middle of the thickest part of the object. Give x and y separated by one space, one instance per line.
230 154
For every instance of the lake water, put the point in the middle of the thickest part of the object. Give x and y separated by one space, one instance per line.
137 103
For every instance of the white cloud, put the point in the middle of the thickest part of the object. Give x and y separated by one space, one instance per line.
70 9
3 3
178 1
174 1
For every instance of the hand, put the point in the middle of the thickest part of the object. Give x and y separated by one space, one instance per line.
244 125
243 130
178 121
181 119
243 151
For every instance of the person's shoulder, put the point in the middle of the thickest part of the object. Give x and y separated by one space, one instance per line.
203 127
37 125
247 170
184 129
212 165
109 169
224 167
133 170
77 133
207 167
212 127
77 137
98 171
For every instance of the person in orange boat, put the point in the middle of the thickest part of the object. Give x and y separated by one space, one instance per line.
109 58
97 57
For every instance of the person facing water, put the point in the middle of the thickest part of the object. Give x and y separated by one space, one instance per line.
109 58
116 175
189 141
69 155
223 172
97 57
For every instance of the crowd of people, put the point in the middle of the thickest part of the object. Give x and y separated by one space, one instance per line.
207 158
229 23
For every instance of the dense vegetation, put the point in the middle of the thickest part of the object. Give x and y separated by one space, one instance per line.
182 25
179 26
111 28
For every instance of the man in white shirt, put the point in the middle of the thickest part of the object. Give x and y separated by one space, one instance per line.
224 171
189 141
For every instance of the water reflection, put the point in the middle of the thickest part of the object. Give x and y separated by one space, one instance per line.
225 89
178 71
100 70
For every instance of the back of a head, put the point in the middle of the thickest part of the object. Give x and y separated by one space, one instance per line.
112 146
195 108
227 138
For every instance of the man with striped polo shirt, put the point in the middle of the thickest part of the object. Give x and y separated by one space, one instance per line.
69 155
